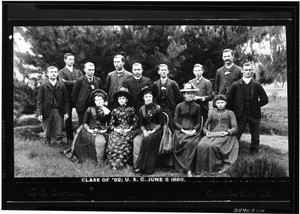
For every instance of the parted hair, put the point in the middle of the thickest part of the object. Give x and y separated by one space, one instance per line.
228 50
198 65
137 64
247 63
51 67
163 65
67 54
88 63
120 56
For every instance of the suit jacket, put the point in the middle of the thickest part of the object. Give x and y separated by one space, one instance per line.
235 98
81 92
134 86
205 90
173 94
45 99
223 82
114 83
69 78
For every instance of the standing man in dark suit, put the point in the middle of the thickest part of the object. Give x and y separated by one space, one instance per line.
205 93
52 106
82 89
134 85
227 74
245 98
115 79
68 76
167 93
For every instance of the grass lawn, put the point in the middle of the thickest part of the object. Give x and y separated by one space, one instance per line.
35 159
275 117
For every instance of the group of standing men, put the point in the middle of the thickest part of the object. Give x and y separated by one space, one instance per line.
56 99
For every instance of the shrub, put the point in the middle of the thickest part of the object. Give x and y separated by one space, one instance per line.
258 167
28 132
24 98
268 162
25 120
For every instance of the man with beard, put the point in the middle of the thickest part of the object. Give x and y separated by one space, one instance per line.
227 74
135 83
68 76
115 79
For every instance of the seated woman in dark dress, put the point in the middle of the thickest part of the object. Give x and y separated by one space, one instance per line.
187 119
151 121
90 140
122 124
218 150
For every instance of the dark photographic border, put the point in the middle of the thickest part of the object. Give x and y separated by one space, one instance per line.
274 195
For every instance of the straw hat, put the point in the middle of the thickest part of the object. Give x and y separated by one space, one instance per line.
188 87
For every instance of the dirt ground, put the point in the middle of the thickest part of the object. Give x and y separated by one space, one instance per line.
274 141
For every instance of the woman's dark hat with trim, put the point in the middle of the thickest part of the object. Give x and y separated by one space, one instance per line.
143 91
96 92
122 92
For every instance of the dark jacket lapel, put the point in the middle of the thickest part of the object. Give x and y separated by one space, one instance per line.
252 88
168 86
241 86
49 85
159 88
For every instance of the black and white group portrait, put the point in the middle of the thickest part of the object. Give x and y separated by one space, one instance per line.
150 101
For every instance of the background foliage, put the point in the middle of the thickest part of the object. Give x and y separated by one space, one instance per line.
178 46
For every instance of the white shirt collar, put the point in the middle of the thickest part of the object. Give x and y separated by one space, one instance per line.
53 82
163 79
90 78
120 72
137 78
199 78
247 80
228 67
70 68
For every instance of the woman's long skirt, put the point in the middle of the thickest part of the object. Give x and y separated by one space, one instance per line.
216 153
87 145
184 154
148 154
119 150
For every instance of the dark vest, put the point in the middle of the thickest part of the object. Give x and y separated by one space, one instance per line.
54 101
247 97
163 94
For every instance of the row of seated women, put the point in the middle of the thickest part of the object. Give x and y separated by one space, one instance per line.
114 136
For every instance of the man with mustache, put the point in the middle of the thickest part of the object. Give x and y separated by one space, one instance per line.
227 74
135 83
115 80
52 107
